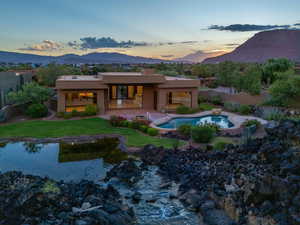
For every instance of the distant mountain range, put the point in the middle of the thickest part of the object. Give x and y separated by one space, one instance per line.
91 58
263 46
197 56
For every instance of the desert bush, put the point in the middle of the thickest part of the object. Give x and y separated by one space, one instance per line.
203 134
250 123
213 84
91 110
205 106
220 145
135 124
144 128
60 114
37 110
67 115
152 131
244 109
275 116
182 109
117 121
216 100
231 106
75 113
184 130
202 99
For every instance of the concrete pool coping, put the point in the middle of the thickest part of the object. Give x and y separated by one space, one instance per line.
236 119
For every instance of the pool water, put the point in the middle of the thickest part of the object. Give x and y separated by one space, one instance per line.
220 120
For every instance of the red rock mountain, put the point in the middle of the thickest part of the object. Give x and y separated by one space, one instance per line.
263 46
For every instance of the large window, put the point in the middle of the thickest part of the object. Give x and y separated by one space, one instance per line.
78 100
125 96
177 98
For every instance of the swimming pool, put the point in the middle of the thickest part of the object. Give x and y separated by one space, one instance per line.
220 120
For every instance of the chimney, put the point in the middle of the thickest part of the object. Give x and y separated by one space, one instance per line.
148 71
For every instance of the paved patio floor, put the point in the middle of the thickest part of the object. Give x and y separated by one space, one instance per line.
132 113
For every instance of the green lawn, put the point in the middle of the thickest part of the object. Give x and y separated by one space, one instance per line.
44 129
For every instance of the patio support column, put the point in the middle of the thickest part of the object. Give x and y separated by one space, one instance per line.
194 96
61 101
100 101
161 99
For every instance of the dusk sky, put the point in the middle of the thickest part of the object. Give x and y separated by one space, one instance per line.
151 28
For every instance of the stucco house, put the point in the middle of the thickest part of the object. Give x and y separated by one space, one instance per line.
12 81
122 90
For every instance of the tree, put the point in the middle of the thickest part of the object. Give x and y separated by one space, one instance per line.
204 70
252 80
227 72
273 66
285 90
48 75
30 93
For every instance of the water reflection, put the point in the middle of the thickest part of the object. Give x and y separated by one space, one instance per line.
32 147
77 152
62 161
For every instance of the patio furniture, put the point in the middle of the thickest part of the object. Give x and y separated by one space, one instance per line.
216 111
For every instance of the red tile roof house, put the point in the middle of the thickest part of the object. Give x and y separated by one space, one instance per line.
121 90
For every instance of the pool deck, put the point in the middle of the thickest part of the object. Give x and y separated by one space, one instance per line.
236 119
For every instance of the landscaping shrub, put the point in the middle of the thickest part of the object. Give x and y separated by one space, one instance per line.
244 109
214 126
75 113
117 121
67 115
275 116
184 130
144 128
135 124
152 131
203 134
213 84
124 123
249 123
205 106
182 109
202 99
216 100
231 106
37 110
60 114
91 110
220 145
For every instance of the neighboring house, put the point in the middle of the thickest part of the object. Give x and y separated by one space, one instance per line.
122 90
12 81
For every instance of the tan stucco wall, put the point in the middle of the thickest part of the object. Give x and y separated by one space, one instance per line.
61 101
148 97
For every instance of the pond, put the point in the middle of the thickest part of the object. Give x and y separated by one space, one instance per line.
62 161
91 161
220 120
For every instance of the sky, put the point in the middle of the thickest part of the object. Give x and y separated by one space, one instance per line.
165 29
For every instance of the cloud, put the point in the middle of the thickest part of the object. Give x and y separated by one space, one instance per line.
46 45
103 42
167 56
188 42
108 42
232 44
247 27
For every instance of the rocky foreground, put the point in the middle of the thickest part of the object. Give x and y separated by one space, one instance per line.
30 200
257 183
